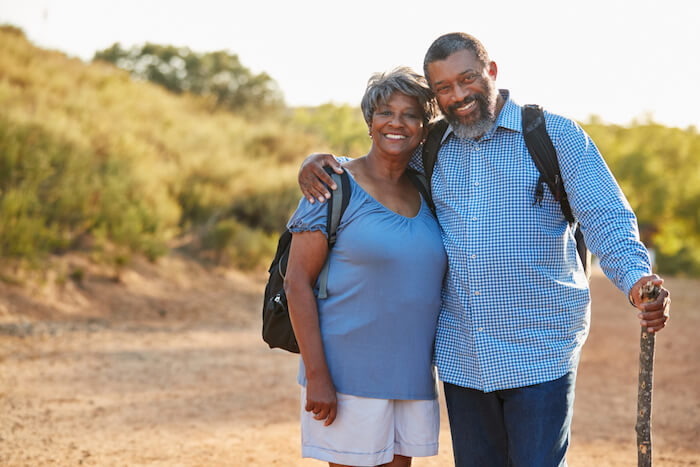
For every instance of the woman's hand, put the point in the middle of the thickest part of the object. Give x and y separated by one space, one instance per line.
312 176
321 399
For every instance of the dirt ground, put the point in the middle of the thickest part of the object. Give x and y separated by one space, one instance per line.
166 367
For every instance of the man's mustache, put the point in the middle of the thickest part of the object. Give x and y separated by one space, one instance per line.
465 101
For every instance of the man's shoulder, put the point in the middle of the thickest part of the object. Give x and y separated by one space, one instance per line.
560 127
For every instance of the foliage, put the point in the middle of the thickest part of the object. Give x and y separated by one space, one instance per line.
342 126
658 168
52 194
91 158
217 74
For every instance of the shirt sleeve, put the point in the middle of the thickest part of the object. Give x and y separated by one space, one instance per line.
607 221
309 217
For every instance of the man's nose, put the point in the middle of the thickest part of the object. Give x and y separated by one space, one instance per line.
461 92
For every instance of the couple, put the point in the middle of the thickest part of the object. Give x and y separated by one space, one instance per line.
497 286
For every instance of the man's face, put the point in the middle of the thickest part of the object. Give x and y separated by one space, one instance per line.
466 92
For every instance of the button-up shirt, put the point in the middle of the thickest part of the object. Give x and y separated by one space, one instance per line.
515 301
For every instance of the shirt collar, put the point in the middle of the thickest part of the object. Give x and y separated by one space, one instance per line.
509 117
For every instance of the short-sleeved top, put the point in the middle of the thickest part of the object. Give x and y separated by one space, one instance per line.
384 280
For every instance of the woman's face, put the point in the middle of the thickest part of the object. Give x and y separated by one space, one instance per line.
397 125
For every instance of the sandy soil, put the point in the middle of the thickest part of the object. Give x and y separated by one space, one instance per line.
166 368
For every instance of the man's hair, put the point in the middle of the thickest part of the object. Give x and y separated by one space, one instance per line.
381 86
446 45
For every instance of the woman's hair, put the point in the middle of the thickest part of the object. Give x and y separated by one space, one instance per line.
381 86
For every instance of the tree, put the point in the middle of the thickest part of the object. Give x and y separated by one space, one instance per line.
217 74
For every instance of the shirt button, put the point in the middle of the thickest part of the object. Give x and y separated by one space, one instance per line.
473 256
481 329
477 292
476 183
474 218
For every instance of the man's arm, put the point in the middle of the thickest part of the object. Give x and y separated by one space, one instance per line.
608 223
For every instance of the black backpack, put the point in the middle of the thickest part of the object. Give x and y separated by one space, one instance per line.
277 327
543 154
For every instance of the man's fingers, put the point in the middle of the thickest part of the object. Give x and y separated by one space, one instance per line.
316 191
335 165
662 302
331 414
323 176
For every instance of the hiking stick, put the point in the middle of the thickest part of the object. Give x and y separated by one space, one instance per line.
647 293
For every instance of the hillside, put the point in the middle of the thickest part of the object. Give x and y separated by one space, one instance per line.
90 156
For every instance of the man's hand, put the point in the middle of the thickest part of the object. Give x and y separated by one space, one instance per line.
312 176
654 314
321 399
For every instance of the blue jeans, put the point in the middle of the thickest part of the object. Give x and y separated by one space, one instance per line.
520 427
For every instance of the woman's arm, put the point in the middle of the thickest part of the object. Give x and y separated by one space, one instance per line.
307 255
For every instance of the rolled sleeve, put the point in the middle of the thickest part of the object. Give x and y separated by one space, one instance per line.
309 218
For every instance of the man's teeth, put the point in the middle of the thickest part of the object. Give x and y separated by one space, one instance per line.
390 136
467 106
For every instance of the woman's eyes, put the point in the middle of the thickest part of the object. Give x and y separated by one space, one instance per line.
387 113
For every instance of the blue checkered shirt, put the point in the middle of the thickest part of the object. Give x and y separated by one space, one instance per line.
515 301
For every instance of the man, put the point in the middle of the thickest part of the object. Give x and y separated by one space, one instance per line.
516 304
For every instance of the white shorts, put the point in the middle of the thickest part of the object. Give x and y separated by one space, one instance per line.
368 432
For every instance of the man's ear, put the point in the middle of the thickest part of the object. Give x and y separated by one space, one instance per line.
493 70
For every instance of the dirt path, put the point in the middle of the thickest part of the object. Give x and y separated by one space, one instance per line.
199 388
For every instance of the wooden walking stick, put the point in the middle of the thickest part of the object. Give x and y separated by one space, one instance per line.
649 292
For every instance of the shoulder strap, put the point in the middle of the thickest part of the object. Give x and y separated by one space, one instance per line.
543 154
336 207
421 183
430 151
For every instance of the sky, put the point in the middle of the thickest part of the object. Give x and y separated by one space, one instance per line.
621 60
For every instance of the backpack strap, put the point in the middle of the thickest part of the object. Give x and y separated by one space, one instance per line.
421 183
336 207
431 146
543 154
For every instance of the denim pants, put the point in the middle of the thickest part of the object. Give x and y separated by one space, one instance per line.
520 427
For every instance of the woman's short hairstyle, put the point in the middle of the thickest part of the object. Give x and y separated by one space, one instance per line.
381 86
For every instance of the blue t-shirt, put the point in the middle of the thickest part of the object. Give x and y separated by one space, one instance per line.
384 280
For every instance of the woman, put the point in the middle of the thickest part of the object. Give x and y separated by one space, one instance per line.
368 395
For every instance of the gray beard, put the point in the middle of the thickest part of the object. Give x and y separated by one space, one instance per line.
475 130
487 108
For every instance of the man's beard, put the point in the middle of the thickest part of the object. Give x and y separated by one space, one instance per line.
487 113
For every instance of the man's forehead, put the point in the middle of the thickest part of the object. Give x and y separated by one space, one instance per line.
455 63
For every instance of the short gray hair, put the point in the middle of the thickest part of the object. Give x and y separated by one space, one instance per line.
447 44
381 86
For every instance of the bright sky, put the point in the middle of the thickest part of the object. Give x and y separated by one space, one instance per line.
619 59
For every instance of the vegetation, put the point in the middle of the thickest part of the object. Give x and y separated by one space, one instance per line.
658 168
219 75
93 159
